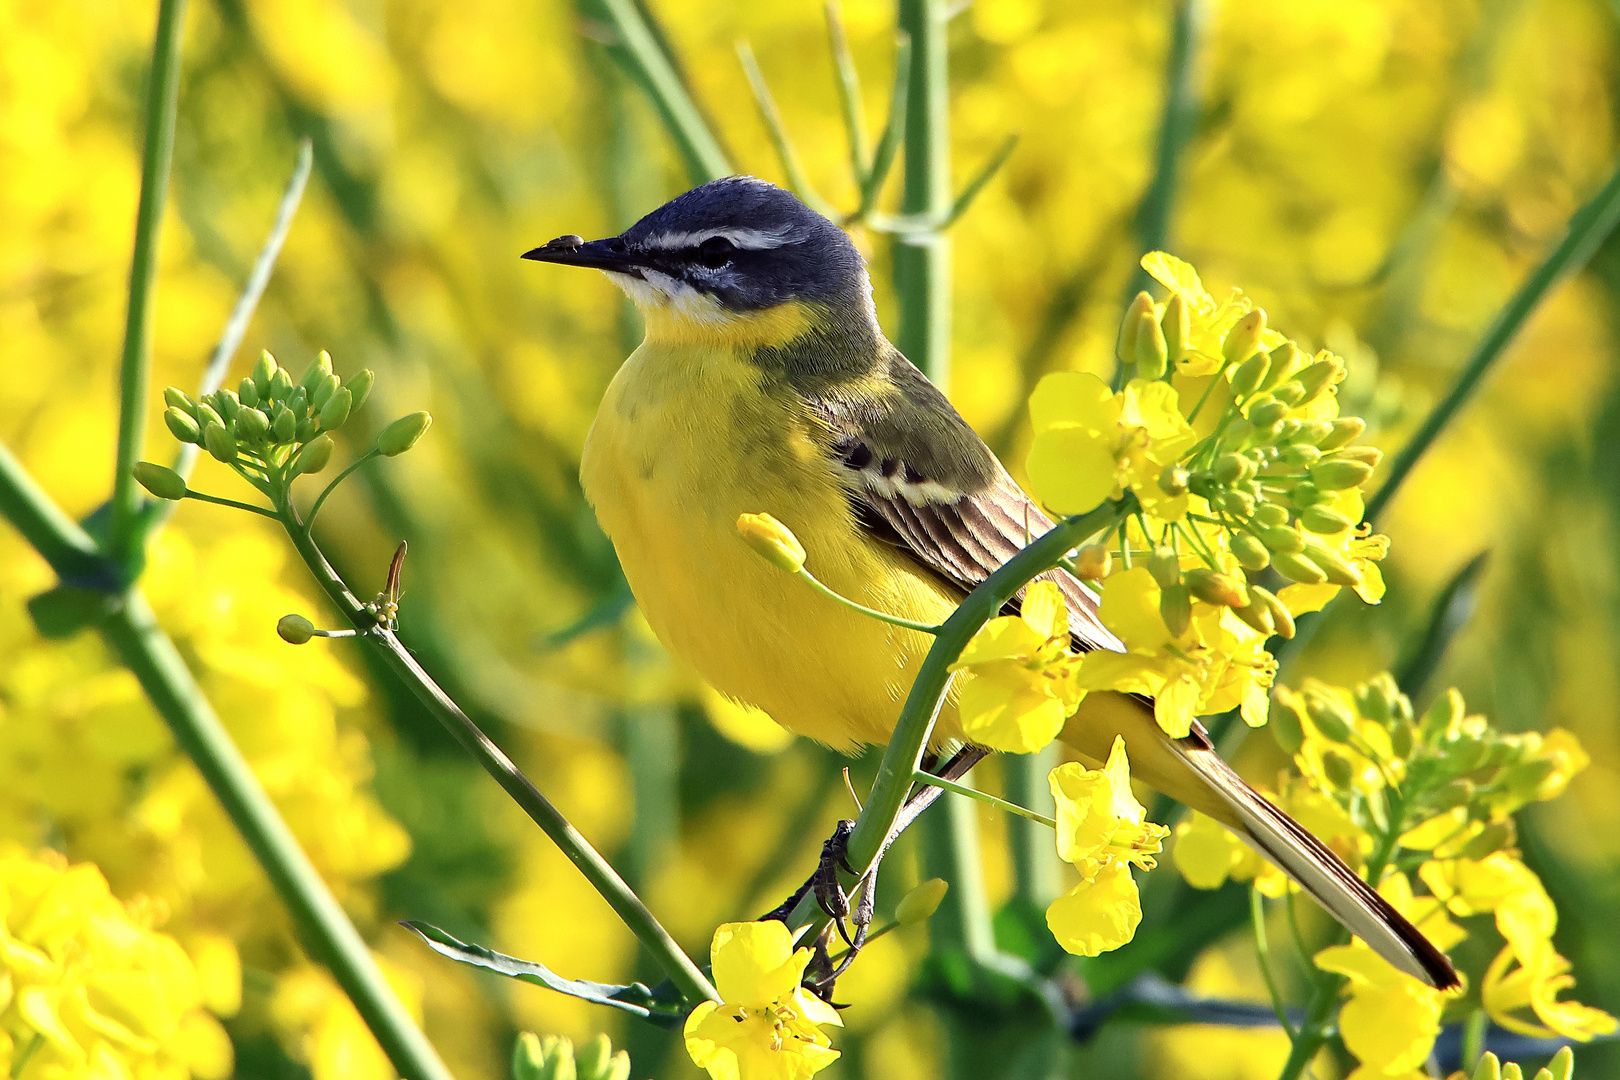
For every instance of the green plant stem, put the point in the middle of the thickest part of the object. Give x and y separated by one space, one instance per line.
1034 857
903 756
849 95
162 97
133 633
951 851
218 501
320 500
922 261
881 616
1588 228
607 882
786 153
1257 916
701 151
1473 1040
982 796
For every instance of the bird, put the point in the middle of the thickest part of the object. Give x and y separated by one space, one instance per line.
765 383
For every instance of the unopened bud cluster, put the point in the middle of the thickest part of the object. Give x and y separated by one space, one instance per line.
555 1057
1459 777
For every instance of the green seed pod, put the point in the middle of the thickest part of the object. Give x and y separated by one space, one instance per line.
1240 504
1338 770
1285 727
1173 480
336 410
1296 567
1244 337
1443 718
1268 413
1271 514
1289 393
1250 553
1300 455
1489 1068
248 393
1258 616
1285 360
1152 352
1177 326
402 434
264 372
1247 376
307 429
1345 430
1216 588
295 629
323 392
319 368
1318 377
1338 474
283 427
315 455
1491 839
1230 468
920 903
1305 494
219 442
1281 539
161 482
1281 617
175 398
1129 326
1175 608
1321 519
1339 570
1164 566
182 426
252 426
359 387
281 385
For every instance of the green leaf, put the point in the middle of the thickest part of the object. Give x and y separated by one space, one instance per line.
65 610
653 1005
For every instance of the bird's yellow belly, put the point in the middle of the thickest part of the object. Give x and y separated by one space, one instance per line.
685 441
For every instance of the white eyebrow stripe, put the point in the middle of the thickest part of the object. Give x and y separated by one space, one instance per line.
746 239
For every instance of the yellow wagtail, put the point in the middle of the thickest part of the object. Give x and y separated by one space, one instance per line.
766 384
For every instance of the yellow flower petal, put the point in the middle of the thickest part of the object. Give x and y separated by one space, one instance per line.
754 962
1071 470
1097 915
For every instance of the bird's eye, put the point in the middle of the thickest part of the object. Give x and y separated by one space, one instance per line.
715 252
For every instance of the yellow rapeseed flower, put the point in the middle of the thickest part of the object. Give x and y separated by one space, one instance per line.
768 1027
1023 686
1102 830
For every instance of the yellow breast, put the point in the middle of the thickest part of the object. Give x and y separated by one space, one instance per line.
687 438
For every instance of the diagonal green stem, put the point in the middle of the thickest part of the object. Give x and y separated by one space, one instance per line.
984 797
162 96
1588 228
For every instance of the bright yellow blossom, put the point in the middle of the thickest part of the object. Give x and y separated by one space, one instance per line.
768 1027
1211 320
1102 830
1023 685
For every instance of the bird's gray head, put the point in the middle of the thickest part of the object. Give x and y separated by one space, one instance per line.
730 248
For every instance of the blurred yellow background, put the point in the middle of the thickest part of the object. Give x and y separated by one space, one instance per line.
1378 175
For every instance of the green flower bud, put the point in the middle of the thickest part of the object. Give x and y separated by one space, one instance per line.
1375 698
1285 360
1344 431
298 402
1489 1068
1367 455
1562 1065
219 442
1491 839
281 385
1284 724
1286 430
323 391
1216 588
1250 553
920 903
1451 795
1267 413
252 426
1240 504
1321 519
295 629
1289 393
315 455
1247 376
402 434
1130 326
1152 353
283 427
319 368
592 1058
264 372
1244 337
206 415
1338 569
1280 538
1164 566
1305 494
1300 455
1230 468
248 393
1270 514
773 541
228 405
182 426
1281 617
175 398
1257 614
164 483
1313 431
1443 718
1173 480
1177 326
1093 562
336 410
1330 715
1524 779
1296 567
359 387
1175 608
1338 474
1239 434
1337 769
1318 377
307 429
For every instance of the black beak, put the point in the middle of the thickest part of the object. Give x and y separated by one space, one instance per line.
607 254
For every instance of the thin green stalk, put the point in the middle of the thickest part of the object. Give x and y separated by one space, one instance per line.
1473 1040
922 262
849 95
894 130
607 882
1588 228
133 633
320 500
873 613
162 96
985 797
771 116
232 503
1034 857
639 49
1257 916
